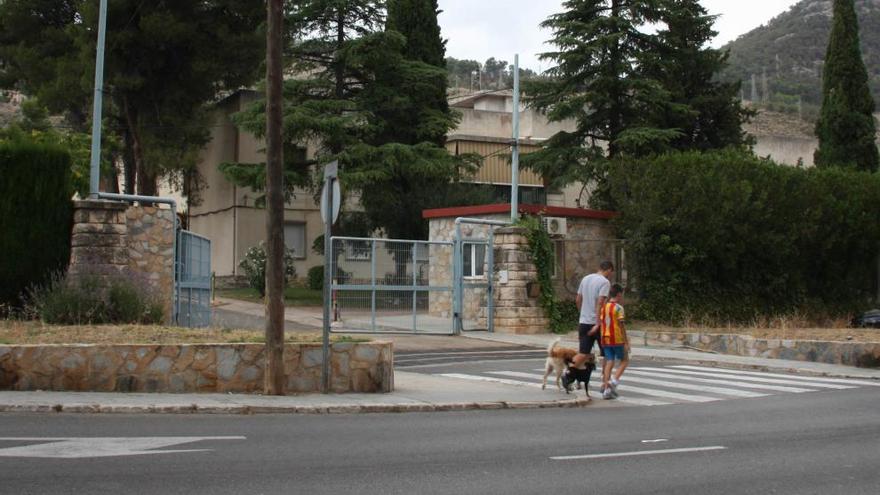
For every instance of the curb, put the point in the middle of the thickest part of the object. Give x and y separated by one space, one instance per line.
250 410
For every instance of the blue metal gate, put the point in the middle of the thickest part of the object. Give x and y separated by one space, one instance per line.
193 280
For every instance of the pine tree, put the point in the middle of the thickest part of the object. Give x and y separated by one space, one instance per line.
708 113
846 127
597 81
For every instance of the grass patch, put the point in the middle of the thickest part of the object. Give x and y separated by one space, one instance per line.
293 296
14 332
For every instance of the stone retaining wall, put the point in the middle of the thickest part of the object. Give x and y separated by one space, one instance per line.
866 355
179 368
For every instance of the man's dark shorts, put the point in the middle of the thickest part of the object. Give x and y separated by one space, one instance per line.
587 341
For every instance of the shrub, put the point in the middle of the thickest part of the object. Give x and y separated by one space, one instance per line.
254 266
316 277
97 298
36 215
726 236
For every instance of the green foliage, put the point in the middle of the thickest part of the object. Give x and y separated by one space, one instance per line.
254 266
164 61
846 128
727 237
492 74
316 277
35 214
94 298
543 256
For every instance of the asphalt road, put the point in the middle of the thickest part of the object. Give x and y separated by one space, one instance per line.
824 442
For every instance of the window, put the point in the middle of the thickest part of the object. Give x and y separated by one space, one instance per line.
358 250
295 238
474 260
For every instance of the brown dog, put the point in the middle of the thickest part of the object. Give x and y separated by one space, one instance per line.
559 358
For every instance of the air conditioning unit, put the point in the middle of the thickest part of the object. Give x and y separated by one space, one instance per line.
556 226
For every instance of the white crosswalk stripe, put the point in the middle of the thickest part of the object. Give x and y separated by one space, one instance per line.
749 379
551 383
687 386
815 381
662 373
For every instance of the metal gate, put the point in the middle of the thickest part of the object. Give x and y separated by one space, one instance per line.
474 273
193 280
391 286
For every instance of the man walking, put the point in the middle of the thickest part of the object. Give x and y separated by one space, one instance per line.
591 296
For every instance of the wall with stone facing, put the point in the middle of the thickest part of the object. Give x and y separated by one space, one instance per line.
515 310
845 353
116 237
361 367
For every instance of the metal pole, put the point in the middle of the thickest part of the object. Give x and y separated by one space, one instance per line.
328 280
514 162
97 111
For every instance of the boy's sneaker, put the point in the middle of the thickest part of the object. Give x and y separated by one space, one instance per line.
608 394
614 384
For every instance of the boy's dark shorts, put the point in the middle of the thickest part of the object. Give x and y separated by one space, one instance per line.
586 341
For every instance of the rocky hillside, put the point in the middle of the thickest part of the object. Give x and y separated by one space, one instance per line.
785 56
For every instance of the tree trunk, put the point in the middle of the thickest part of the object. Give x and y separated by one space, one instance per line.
145 180
275 379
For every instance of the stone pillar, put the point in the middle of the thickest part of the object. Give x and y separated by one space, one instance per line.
515 310
98 243
150 243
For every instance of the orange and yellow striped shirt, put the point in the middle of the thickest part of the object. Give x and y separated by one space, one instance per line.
610 316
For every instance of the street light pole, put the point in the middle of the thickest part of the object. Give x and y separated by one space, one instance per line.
94 169
514 162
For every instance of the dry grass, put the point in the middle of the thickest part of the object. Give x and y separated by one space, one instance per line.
31 332
777 328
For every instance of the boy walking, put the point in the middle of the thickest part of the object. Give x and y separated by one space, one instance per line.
615 345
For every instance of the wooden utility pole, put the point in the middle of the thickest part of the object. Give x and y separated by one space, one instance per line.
275 206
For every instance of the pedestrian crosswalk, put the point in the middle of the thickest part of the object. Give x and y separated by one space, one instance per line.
662 385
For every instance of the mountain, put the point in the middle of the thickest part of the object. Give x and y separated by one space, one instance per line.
785 56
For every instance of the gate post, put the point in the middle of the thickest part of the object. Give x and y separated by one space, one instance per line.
515 311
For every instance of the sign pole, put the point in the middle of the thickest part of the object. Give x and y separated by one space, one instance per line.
329 212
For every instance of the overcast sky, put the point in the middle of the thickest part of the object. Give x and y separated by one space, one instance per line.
479 29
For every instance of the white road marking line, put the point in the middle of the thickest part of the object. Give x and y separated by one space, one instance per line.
656 440
551 382
490 379
637 453
662 373
463 353
669 395
83 447
744 378
696 388
812 379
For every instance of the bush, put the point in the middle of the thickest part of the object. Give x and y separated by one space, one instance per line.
316 277
254 266
94 298
728 237
35 214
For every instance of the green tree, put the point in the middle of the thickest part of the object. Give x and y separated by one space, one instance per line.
164 62
707 113
846 127
597 81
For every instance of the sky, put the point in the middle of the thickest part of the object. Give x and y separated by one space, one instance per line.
479 29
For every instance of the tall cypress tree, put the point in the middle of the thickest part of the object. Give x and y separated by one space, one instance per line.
846 127
707 112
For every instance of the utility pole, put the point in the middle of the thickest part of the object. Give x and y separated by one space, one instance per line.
274 373
514 162
97 111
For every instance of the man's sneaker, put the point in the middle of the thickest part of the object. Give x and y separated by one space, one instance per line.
567 381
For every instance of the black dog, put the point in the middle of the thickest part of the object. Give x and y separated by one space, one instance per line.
582 376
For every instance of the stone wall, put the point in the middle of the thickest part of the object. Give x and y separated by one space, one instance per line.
515 310
845 353
238 368
115 237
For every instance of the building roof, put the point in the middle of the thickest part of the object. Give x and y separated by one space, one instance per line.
554 211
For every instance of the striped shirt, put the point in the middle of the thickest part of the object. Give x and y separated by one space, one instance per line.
610 316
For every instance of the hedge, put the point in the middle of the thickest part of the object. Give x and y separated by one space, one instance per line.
35 216
729 237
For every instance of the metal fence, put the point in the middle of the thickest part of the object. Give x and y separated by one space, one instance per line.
390 286
193 280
